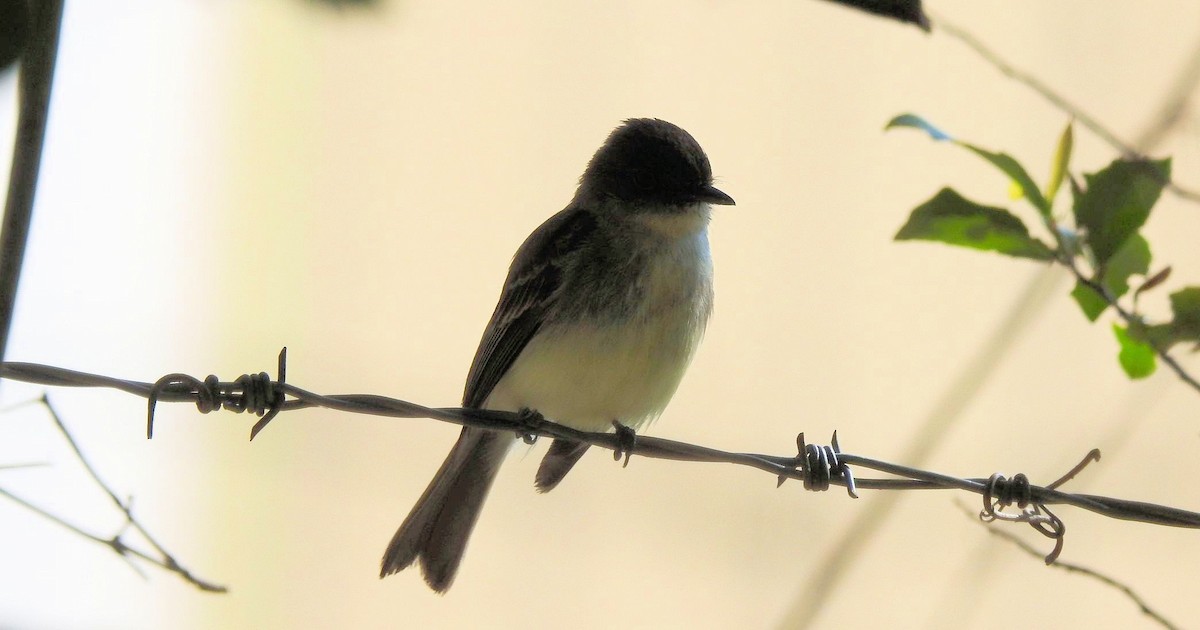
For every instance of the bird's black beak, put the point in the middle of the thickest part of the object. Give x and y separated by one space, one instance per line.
710 194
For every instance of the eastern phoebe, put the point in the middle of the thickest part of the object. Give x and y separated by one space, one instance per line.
602 308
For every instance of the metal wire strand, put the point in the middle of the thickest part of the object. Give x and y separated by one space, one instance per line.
1000 493
817 467
256 393
821 466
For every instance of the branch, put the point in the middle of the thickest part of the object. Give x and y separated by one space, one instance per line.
907 11
1170 113
818 467
160 556
1056 99
1129 318
1075 568
37 76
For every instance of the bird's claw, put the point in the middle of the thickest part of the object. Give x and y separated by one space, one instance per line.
530 418
626 442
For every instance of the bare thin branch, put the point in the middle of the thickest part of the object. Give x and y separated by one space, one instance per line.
116 544
1056 99
160 558
1128 591
1174 105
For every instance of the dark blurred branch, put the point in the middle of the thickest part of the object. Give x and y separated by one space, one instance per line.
1172 110
907 11
14 31
37 76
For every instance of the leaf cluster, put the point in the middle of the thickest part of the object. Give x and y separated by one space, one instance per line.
1100 239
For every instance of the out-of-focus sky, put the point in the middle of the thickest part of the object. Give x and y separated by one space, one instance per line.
222 179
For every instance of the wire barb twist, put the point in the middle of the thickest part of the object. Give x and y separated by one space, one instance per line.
1000 492
821 466
256 393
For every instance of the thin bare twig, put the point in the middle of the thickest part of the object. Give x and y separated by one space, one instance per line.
1056 99
22 466
116 544
1071 567
160 558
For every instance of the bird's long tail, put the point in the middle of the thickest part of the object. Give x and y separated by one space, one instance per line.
437 529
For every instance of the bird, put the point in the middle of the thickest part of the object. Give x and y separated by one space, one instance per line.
602 309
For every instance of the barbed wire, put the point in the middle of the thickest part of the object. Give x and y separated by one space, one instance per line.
817 467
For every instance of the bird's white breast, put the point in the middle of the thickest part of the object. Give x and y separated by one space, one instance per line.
586 374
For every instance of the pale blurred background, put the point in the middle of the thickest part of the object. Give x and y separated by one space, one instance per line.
225 178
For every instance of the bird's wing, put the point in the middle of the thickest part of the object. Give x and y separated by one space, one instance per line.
529 293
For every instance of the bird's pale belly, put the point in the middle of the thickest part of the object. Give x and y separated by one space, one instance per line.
588 376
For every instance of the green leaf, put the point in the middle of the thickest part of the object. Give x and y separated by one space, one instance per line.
1132 258
1136 357
1015 191
1091 303
1062 159
1002 161
950 218
1185 327
1117 202
916 122
1016 173
1185 304
1157 335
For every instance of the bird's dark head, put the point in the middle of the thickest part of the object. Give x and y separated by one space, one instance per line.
651 161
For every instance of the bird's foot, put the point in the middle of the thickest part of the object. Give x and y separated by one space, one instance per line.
626 442
530 418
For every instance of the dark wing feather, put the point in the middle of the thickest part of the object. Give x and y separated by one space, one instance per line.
529 292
